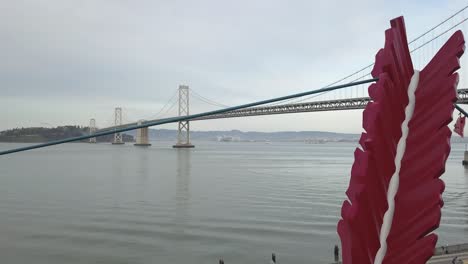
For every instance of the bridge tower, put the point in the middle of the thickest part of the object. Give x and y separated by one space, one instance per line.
92 129
142 136
183 135
118 122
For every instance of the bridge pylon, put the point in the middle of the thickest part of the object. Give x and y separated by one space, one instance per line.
118 122
183 135
142 139
92 129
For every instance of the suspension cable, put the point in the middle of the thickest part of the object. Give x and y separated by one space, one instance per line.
412 41
165 105
184 118
438 25
438 36
167 111
206 100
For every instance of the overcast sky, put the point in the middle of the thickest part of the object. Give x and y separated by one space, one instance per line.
64 62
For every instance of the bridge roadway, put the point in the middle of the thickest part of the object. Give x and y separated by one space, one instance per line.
329 105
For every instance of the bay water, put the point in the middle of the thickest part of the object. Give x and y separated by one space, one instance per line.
240 201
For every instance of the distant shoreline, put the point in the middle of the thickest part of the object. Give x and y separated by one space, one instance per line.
44 134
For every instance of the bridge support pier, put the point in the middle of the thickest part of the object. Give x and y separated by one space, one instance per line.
142 136
92 129
183 135
118 122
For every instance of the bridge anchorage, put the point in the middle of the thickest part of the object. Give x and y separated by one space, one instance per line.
183 135
92 129
142 139
118 122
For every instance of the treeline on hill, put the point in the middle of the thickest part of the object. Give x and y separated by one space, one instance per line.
44 134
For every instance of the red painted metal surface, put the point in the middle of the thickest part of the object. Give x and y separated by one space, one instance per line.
418 201
460 126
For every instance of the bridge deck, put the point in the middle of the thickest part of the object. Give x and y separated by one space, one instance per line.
329 105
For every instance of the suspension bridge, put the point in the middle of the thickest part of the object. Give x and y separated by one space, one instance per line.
183 140
332 97
422 48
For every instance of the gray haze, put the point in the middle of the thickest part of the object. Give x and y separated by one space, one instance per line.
63 62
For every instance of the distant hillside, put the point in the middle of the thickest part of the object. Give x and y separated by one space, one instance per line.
44 134
169 134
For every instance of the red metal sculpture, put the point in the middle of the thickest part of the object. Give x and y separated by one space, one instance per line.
395 191
460 125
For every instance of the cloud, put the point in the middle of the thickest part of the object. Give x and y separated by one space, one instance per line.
134 54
